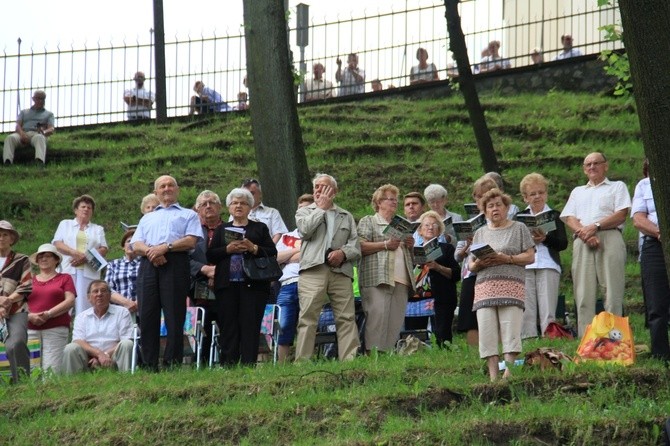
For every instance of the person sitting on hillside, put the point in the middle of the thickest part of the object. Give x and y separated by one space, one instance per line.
102 335
207 100
139 100
351 78
494 61
423 72
568 50
33 126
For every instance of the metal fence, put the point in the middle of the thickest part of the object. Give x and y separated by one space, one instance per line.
85 83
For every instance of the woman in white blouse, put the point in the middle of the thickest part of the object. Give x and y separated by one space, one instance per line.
73 239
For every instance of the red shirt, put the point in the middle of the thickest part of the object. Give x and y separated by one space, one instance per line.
47 295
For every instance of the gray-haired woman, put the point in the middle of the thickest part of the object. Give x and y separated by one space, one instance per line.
241 302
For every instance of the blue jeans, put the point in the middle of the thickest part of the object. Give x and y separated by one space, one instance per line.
287 299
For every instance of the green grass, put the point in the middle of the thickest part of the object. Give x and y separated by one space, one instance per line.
432 397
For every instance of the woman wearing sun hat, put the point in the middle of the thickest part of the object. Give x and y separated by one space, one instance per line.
49 305
15 286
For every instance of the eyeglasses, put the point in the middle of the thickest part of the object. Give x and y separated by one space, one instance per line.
208 203
594 163
430 225
247 181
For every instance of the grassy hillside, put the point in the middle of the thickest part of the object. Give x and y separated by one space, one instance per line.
433 397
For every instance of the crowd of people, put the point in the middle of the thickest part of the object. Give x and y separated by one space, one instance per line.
178 256
36 124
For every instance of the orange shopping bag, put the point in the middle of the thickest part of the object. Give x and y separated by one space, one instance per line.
608 339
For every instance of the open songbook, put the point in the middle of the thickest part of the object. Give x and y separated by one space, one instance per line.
430 251
466 229
481 250
544 221
400 227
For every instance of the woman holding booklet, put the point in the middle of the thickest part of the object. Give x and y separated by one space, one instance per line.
499 254
544 274
74 239
385 273
443 273
241 302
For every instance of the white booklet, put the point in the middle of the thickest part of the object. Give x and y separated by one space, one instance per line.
95 260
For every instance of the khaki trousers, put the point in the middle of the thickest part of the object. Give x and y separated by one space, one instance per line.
75 358
315 286
37 140
385 309
605 266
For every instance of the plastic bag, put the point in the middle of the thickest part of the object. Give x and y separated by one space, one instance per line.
608 339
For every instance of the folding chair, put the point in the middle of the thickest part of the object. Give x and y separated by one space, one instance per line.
326 334
34 353
270 328
193 330
416 309
214 345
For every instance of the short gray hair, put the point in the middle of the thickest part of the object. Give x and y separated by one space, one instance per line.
322 175
240 192
434 192
206 194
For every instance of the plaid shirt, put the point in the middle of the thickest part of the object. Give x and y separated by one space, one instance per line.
121 276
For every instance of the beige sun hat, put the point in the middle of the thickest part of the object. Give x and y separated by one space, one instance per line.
7 226
46 247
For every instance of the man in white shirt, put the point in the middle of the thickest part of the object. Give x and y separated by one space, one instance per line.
568 50
139 100
102 335
265 214
351 78
596 213
318 87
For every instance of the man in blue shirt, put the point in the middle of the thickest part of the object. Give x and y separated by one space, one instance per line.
163 239
207 100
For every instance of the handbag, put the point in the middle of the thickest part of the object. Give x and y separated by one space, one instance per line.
261 269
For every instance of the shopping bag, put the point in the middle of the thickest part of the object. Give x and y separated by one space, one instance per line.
607 340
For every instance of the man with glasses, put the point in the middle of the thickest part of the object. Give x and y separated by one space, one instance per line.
568 50
33 126
208 206
596 214
265 214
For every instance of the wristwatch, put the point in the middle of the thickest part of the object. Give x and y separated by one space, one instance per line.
597 225
170 246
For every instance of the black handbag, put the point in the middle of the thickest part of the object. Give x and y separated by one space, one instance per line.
261 269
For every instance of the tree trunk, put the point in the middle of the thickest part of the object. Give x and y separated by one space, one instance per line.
467 86
280 153
646 38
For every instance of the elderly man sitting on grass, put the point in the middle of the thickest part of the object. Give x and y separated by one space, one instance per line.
102 335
